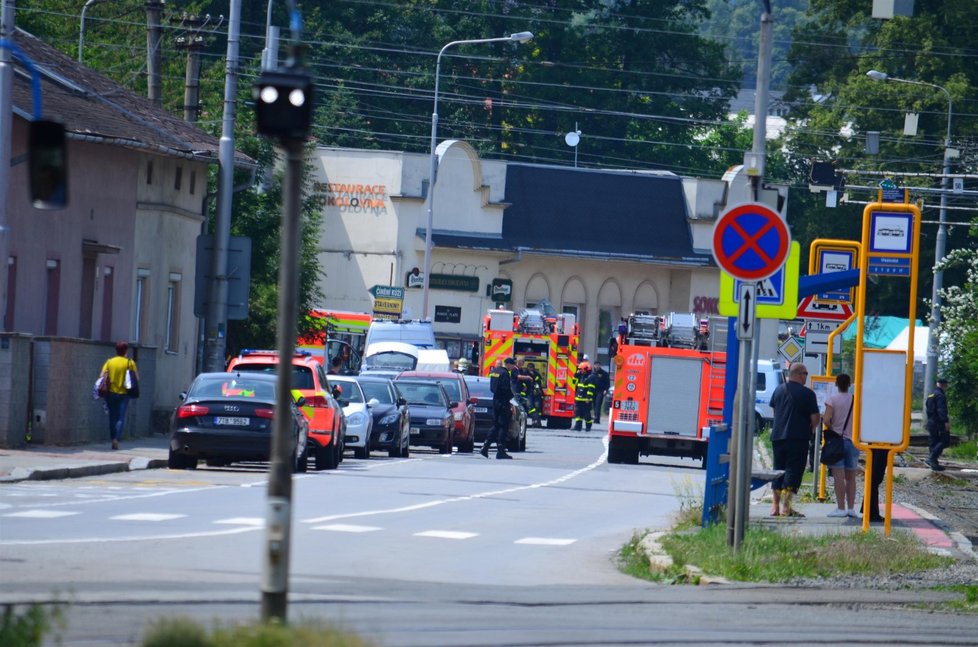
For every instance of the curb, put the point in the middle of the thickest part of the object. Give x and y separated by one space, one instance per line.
64 472
962 542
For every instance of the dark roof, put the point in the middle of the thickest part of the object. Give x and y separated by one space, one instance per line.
601 214
93 107
586 213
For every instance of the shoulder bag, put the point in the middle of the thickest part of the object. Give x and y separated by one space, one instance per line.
132 382
834 449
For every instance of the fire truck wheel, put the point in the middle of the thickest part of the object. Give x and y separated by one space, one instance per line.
614 449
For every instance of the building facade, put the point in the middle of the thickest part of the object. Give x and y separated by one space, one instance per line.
598 244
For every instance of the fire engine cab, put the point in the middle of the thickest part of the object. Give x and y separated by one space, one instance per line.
665 397
550 343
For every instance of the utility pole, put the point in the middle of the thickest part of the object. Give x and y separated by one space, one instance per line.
215 326
154 35
193 42
7 12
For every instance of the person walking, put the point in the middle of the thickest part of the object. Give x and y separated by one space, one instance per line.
795 416
602 382
938 424
117 398
844 471
502 384
536 394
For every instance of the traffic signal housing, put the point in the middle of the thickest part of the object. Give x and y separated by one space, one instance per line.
284 103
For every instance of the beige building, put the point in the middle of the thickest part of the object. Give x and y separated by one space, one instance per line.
598 244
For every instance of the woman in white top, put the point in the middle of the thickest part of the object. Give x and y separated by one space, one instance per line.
838 418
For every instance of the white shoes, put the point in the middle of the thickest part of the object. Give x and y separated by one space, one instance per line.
838 512
854 514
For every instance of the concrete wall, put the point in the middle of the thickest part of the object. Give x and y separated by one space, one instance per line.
53 402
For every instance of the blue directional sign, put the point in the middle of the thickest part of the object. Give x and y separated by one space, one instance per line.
751 241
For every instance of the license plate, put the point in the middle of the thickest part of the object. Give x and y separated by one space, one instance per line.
629 405
415 430
481 410
237 422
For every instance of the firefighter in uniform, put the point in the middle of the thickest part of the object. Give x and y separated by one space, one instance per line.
501 382
536 395
583 396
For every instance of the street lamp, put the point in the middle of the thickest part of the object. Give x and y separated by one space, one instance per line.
930 371
519 37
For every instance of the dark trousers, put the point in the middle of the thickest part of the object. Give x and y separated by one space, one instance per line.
875 479
117 403
502 415
940 439
789 455
582 413
598 401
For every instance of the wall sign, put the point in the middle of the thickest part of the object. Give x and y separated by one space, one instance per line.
448 314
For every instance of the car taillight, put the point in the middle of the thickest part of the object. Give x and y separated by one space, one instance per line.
316 401
191 410
265 413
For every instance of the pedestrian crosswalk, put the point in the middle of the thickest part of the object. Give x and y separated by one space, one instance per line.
41 515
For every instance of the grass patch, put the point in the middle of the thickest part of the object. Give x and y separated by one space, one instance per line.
963 451
185 632
690 496
969 598
770 556
28 627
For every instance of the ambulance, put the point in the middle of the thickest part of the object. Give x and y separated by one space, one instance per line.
664 401
337 333
548 342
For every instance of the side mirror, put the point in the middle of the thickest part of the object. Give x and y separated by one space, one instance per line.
47 165
300 401
401 402
372 402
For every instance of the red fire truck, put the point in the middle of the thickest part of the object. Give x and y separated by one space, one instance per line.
665 398
548 342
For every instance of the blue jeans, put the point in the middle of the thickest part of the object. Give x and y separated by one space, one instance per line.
118 403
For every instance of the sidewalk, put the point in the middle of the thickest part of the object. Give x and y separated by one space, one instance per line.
44 462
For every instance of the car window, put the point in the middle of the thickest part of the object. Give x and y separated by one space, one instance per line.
479 389
761 382
351 391
301 375
453 389
377 390
420 393
236 387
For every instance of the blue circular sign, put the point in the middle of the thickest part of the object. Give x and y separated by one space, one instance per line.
751 241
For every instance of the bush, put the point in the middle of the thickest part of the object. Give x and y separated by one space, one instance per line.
28 629
186 632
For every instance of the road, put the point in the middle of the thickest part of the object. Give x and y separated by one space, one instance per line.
431 550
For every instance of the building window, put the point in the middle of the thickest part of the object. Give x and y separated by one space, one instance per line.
172 339
149 173
178 178
53 296
139 304
193 182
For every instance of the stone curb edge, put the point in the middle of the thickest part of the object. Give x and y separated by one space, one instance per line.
64 472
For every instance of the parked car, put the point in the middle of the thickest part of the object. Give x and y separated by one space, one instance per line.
227 418
327 426
356 410
431 413
463 409
392 420
479 389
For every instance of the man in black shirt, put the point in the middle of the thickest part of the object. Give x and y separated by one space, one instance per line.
795 417
502 384
938 424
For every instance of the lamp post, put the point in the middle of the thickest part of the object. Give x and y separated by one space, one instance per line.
519 37
930 371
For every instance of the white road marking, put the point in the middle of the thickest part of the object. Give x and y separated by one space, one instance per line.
41 514
243 521
471 497
446 534
100 540
343 527
128 497
147 516
545 541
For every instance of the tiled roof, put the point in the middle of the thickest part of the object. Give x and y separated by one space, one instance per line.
91 105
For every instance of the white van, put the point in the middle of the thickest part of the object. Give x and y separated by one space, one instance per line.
769 375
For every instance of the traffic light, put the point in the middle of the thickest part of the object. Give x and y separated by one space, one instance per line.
283 103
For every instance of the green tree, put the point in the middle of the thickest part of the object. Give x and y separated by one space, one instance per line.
959 339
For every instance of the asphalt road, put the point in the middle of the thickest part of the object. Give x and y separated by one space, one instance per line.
431 550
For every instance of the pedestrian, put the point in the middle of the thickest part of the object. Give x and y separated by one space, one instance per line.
502 383
117 398
612 346
938 424
536 394
474 353
602 382
844 471
875 478
335 365
583 397
795 416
